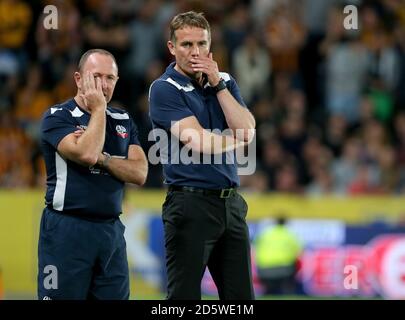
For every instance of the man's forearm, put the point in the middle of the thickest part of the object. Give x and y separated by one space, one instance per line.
126 170
210 143
237 117
91 142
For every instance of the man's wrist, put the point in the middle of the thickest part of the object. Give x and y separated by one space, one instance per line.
106 160
220 86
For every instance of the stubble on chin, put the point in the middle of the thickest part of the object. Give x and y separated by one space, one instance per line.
194 75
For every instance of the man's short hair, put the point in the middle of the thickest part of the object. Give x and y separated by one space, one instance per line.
88 53
188 19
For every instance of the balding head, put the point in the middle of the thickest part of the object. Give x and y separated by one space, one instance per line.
88 53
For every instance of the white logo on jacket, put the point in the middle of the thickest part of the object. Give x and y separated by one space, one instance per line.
121 131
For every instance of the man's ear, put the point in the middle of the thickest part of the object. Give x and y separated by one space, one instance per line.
78 78
171 46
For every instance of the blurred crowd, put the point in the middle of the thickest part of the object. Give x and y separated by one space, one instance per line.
329 102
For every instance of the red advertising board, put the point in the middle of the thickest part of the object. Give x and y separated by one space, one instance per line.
377 268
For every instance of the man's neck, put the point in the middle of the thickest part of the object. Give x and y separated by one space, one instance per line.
201 79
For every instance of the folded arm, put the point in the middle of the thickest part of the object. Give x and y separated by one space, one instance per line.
238 118
84 149
190 132
134 169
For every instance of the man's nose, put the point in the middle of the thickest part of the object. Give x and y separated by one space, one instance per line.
195 51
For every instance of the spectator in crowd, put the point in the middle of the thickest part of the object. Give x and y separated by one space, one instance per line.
252 68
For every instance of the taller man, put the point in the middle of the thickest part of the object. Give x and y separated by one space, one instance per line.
203 215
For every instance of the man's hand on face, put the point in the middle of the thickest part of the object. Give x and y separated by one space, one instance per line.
208 66
92 93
